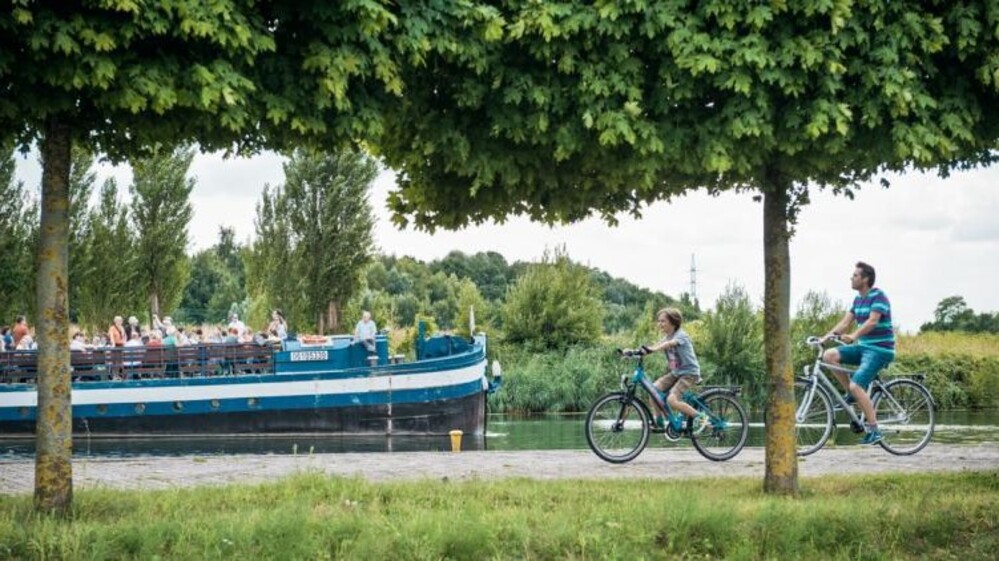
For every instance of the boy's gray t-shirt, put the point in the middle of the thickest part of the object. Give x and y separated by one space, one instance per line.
681 359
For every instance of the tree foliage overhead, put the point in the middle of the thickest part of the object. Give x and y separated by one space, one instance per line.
580 107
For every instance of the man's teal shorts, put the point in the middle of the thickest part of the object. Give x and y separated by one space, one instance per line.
869 362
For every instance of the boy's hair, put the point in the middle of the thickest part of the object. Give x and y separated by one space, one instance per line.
673 315
867 272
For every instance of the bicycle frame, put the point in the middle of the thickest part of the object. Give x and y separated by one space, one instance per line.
639 379
816 376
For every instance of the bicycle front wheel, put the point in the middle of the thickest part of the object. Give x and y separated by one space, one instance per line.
813 420
617 428
906 417
728 429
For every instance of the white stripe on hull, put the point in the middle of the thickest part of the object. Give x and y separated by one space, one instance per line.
397 382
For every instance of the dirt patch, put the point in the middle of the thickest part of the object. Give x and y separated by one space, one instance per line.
17 476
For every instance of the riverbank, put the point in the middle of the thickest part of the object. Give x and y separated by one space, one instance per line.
17 476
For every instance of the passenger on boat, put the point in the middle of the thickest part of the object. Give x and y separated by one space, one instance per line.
116 333
27 344
132 327
234 322
79 342
365 331
133 358
233 336
278 328
154 339
8 339
20 330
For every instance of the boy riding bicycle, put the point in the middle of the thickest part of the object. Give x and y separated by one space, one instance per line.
871 346
683 369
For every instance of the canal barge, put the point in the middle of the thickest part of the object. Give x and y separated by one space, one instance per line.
317 385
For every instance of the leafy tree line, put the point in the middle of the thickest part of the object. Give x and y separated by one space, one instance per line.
124 258
953 314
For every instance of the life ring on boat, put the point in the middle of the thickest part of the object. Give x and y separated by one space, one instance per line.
312 339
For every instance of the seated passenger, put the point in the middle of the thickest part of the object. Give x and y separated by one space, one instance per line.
277 328
365 331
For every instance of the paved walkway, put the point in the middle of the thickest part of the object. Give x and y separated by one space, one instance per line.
17 476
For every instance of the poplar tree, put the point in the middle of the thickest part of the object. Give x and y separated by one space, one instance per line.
161 213
18 232
81 186
110 286
317 229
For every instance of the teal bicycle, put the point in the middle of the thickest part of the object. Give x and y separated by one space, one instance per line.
619 424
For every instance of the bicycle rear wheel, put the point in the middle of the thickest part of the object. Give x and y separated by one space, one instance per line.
617 428
729 428
813 423
906 416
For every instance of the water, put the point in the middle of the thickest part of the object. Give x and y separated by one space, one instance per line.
503 432
565 432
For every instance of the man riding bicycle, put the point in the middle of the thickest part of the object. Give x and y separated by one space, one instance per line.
871 345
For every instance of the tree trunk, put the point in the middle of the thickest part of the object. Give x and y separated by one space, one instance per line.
320 323
332 317
781 459
154 304
54 424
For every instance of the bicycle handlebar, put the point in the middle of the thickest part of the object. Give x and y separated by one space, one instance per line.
814 341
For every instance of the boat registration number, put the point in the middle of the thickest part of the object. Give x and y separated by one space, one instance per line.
302 356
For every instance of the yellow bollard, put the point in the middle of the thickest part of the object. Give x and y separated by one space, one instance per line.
456 440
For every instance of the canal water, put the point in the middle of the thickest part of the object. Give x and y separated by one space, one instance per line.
503 432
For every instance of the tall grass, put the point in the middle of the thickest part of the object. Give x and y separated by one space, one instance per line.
962 371
976 345
952 516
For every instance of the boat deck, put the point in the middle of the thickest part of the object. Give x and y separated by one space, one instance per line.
134 363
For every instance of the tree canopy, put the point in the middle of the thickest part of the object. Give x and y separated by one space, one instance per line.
572 108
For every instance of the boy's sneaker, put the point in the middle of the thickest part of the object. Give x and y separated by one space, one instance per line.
873 436
701 422
659 424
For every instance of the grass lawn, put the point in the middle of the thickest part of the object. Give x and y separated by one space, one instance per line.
938 516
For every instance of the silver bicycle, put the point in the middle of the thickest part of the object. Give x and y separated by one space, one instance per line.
904 407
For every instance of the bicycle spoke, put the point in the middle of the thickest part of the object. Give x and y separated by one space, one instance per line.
617 428
728 429
814 418
905 416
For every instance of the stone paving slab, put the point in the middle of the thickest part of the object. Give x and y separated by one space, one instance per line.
17 476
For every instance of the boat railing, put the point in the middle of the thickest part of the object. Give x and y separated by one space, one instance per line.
136 363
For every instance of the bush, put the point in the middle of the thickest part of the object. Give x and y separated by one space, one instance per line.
556 381
554 305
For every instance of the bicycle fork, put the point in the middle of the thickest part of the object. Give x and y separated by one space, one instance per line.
806 403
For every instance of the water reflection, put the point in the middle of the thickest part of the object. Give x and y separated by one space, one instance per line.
265 445
503 432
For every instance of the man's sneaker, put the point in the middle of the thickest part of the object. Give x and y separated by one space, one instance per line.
848 398
873 436
701 422
659 424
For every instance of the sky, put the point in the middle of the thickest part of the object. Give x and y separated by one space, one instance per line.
927 237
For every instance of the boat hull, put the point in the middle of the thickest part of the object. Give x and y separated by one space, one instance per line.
420 398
